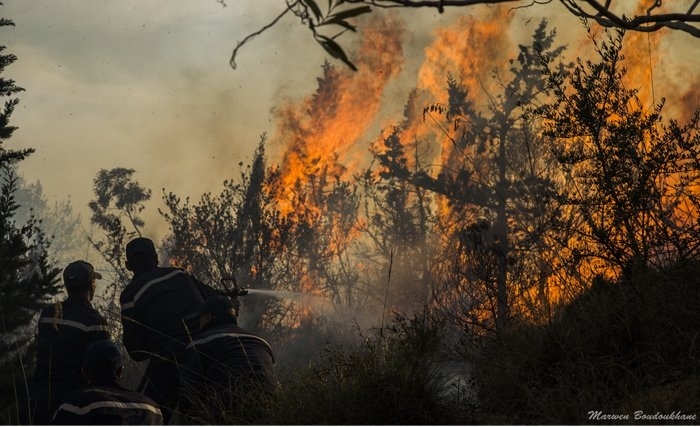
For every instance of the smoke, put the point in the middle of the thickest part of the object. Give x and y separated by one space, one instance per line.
146 86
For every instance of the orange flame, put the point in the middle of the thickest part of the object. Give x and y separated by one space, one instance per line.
469 49
321 132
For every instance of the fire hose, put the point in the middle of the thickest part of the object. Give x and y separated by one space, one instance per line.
233 291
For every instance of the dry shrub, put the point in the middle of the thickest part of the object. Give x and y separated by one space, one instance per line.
619 346
390 379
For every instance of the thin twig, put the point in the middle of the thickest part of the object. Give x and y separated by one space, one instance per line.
232 61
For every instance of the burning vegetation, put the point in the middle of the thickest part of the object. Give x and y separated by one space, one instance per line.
505 191
479 220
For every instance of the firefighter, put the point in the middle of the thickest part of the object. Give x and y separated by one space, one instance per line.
66 329
224 362
155 307
104 401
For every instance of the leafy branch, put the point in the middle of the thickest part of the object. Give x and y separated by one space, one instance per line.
337 14
677 16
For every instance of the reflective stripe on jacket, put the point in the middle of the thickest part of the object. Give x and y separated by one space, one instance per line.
223 354
108 405
154 306
63 336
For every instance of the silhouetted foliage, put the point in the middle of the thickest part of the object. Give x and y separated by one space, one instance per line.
8 88
631 181
119 200
27 280
398 220
497 181
237 233
612 349
608 14
393 377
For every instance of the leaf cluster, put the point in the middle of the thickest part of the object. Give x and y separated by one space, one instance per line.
336 14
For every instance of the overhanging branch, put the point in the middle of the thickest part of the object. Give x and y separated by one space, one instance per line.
605 13
679 16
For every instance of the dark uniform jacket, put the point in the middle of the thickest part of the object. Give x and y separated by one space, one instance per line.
224 358
154 306
108 404
65 331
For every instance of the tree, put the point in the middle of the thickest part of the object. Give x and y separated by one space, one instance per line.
682 16
496 183
119 200
58 221
26 279
322 216
397 224
631 180
236 233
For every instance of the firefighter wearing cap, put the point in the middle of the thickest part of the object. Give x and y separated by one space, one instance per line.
155 307
224 361
65 331
104 401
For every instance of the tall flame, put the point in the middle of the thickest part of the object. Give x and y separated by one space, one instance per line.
469 49
323 130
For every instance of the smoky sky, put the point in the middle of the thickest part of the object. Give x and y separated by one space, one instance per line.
147 85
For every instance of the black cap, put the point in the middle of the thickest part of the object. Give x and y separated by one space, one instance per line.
102 359
142 246
79 274
218 306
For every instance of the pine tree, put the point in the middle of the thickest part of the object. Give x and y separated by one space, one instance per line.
26 279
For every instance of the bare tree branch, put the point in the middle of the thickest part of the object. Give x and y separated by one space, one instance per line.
604 13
